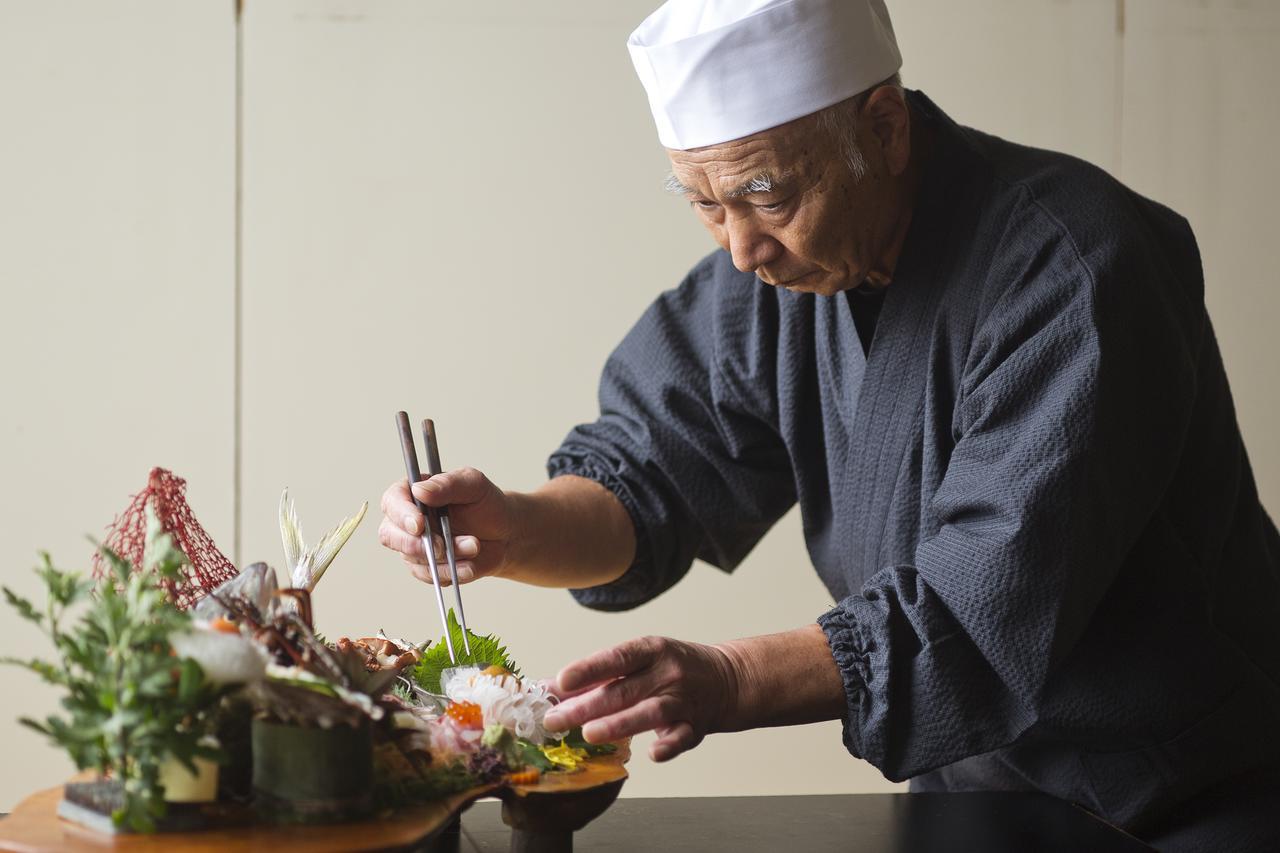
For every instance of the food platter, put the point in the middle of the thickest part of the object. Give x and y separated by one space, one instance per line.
208 712
555 807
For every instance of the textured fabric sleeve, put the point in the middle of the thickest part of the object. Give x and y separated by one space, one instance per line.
701 474
1074 408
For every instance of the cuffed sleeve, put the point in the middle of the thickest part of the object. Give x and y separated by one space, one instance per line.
701 474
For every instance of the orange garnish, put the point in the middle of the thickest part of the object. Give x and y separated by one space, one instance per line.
466 714
524 777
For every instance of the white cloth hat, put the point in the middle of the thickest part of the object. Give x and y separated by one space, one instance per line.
717 70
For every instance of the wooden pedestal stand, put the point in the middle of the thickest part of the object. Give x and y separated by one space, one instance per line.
543 817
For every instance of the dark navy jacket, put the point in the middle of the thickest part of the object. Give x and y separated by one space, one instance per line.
1030 500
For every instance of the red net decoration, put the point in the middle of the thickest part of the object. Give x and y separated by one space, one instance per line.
127 537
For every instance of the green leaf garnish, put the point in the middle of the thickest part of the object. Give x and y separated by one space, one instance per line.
487 650
532 755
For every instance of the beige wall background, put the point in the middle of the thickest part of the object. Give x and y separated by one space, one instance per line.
456 210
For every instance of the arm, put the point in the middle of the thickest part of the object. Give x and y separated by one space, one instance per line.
688 690
786 679
687 438
572 532
684 462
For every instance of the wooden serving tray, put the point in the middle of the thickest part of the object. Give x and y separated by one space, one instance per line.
556 806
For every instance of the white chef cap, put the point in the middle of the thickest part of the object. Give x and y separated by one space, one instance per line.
717 70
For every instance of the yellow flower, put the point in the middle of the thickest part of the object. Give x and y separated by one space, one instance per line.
564 756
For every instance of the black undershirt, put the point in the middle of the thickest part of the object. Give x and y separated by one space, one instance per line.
865 303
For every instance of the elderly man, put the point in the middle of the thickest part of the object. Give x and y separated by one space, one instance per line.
987 375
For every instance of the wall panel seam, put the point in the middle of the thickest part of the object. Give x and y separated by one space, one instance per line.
237 439
1118 120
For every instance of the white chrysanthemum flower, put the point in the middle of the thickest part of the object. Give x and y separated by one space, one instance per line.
504 700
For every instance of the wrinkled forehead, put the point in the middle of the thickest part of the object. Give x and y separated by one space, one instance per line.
789 152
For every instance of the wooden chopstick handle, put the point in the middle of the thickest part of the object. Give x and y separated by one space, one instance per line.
410 455
433 449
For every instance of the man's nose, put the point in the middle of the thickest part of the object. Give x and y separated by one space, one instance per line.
750 247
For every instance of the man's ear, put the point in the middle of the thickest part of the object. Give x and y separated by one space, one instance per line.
887 118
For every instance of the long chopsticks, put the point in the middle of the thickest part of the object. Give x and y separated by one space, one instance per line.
446 530
434 520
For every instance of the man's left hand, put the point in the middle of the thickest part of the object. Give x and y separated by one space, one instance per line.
683 691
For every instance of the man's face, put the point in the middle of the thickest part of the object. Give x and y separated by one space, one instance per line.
785 204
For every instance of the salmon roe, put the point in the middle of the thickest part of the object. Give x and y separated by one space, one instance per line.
466 714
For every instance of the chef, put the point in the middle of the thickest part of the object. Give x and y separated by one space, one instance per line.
986 374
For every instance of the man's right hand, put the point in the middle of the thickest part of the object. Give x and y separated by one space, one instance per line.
480 515
570 533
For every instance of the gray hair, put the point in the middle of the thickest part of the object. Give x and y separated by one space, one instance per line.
841 121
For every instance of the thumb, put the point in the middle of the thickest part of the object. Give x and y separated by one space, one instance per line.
460 486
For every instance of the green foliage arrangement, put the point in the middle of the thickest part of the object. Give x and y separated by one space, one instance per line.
130 703
486 650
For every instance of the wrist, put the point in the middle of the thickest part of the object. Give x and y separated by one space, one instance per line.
737 679
520 545
570 533
782 679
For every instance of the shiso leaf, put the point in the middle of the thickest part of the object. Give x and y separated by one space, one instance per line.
531 755
487 650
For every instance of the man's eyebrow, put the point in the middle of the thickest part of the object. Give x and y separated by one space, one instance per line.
763 183
672 185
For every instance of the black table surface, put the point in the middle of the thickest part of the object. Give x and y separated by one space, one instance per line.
850 823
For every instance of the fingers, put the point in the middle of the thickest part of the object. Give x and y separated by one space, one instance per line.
398 508
632 717
606 665
395 538
652 683
423 573
466 572
409 545
649 714
460 486
674 740
615 696
403 525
